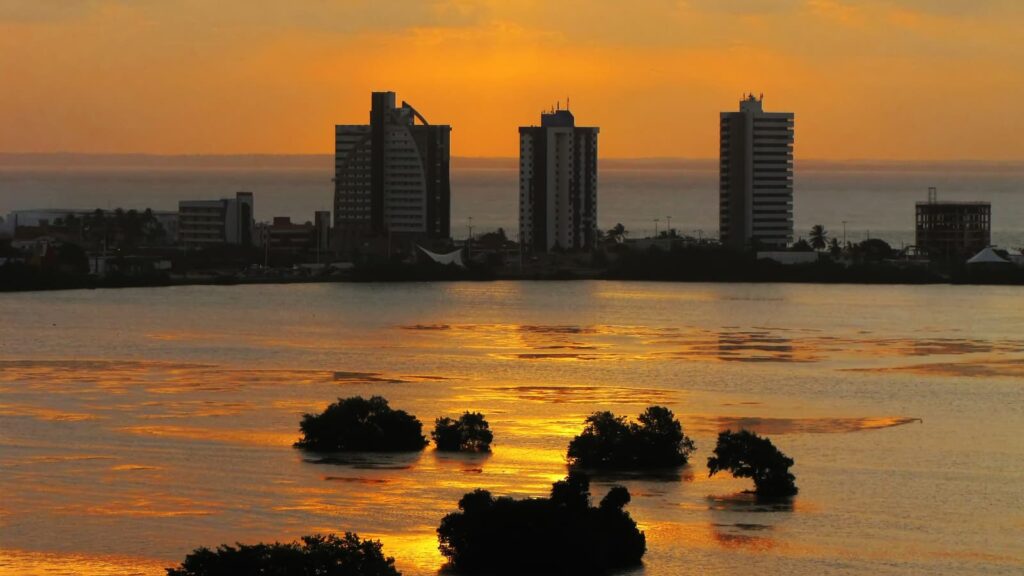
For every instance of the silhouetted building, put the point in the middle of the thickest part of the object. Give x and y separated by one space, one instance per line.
322 223
952 230
391 177
755 177
557 184
287 237
211 222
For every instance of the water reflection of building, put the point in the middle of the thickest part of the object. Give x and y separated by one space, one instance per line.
756 176
952 230
211 222
391 177
557 184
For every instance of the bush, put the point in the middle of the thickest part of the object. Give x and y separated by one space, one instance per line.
562 534
747 455
655 440
359 425
470 433
327 555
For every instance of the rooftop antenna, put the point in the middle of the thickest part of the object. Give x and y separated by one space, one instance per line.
558 105
566 102
933 194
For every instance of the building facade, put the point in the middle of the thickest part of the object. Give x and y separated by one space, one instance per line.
948 231
391 176
755 176
204 223
557 184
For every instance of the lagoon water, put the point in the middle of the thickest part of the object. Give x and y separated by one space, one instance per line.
139 424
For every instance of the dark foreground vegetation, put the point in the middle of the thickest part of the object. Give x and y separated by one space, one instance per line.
655 440
747 455
562 534
470 433
359 425
329 555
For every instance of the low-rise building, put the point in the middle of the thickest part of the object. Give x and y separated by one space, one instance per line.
204 223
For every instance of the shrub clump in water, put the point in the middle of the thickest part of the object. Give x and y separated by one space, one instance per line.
348 555
562 534
747 455
359 425
655 440
470 433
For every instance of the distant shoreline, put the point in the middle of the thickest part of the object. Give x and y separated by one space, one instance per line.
95 284
87 161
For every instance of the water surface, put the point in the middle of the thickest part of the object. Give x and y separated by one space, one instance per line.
138 424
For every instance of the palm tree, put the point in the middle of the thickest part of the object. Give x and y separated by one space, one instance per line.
819 237
834 248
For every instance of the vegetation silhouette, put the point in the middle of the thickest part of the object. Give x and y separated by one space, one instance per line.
819 237
747 455
562 534
359 425
655 440
329 555
470 433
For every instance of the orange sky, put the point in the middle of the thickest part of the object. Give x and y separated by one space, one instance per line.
889 79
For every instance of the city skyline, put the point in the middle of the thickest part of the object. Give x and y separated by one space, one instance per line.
868 79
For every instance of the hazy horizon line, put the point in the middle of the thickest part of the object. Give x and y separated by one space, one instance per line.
263 160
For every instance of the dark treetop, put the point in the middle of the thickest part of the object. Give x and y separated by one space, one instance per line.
321 555
655 440
359 425
470 433
562 534
747 455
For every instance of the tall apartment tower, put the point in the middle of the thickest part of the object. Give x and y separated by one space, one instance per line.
755 177
557 184
391 176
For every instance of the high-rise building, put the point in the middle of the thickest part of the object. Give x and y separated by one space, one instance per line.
949 231
209 222
391 176
755 173
557 184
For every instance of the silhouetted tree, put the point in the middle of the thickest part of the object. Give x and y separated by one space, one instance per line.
360 425
324 555
874 250
801 245
562 534
655 440
747 455
819 237
833 248
470 433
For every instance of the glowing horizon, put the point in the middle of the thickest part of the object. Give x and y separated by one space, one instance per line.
896 79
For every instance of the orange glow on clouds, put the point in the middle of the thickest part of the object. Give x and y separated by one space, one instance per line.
896 79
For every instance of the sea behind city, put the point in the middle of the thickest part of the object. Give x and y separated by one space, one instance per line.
875 198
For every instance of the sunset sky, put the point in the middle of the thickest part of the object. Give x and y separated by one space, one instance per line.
879 79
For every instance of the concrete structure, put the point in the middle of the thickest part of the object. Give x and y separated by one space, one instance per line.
557 184
948 231
755 177
211 222
391 177
322 223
